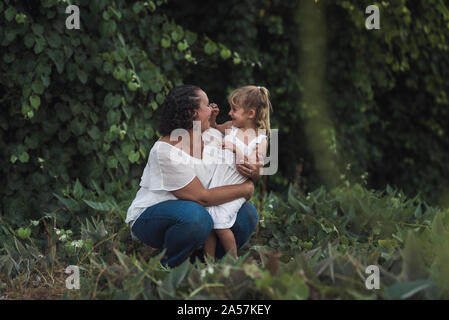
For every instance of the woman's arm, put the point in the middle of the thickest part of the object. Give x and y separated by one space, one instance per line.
195 191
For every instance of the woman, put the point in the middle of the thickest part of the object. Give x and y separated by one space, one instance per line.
168 211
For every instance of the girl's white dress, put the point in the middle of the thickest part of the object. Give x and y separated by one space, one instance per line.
226 173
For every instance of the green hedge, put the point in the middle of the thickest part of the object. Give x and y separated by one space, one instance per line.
389 88
82 104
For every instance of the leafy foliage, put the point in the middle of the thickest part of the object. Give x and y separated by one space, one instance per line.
314 246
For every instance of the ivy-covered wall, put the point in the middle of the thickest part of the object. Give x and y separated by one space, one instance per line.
81 105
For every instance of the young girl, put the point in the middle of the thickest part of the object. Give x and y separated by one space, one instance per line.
244 137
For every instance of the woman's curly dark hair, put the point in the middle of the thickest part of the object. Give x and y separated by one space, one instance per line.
178 109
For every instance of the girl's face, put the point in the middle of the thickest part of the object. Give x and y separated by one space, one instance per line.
203 112
240 118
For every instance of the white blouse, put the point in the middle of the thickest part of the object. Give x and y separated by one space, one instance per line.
169 168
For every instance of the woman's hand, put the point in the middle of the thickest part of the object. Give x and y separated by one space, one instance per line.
249 170
249 187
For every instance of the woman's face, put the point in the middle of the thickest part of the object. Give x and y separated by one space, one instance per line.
203 112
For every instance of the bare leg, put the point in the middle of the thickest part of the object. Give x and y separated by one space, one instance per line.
210 244
227 239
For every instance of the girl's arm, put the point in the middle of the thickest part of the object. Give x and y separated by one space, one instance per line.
222 127
195 191
239 156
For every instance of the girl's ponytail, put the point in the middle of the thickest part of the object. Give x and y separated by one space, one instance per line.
265 110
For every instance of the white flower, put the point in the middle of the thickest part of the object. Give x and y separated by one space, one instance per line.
210 269
77 243
227 271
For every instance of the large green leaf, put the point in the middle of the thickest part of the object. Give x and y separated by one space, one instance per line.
112 162
78 190
404 290
54 39
70 204
57 56
99 206
112 100
10 13
35 101
94 133
82 76
178 274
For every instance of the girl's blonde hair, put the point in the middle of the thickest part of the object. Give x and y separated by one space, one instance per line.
256 98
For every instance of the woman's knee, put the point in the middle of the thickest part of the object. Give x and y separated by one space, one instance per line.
252 214
197 220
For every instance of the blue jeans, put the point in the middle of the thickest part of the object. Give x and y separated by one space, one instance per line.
182 226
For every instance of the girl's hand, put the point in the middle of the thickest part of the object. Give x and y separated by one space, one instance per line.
213 116
228 145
